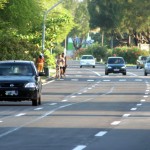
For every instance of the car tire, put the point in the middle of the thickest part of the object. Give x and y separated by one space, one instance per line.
106 73
39 100
124 73
93 66
137 67
80 66
145 73
34 102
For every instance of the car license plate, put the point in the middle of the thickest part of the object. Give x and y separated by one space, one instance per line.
116 69
11 93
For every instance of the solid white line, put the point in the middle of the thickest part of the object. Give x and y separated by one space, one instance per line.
133 109
126 115
89 88
48 82
101 133
145 96
21 114
79 147
1 121
79 93
115 123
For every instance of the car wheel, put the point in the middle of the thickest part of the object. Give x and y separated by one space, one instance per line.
124 73
145 73
34 102
80 66
137 67
39 101
93 66
106 73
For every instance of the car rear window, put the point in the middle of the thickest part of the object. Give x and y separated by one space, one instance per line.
16 69
87 57
115 61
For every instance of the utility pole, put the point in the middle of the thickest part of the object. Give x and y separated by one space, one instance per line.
44 20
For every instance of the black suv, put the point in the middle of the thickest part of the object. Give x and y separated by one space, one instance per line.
141 62
115 65
20 81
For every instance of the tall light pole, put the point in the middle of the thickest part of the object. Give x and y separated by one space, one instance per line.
44 19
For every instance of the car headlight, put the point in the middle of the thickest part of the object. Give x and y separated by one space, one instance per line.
123 67
109 67
30 85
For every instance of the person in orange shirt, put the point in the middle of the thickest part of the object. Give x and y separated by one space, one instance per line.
40 63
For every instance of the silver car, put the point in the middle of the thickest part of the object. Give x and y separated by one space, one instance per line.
147 67
87 60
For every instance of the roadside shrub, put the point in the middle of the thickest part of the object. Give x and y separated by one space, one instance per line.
130 54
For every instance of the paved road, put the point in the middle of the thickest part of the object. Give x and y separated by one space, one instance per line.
84 111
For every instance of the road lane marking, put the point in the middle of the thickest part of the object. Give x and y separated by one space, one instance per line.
133 109
1 121
21 114
145 96
132 74
53 104
122 80
138 80
126 115
142 100
106 80
138 104
79 93
115 123
74 79
90 80
89 88
79 147
73 96
38 108
64 100
101 133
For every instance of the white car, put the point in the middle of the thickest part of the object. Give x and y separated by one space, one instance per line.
87 60
147 67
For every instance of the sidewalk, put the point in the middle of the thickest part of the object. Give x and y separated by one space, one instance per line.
48 78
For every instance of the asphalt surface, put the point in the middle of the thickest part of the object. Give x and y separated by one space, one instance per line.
86 110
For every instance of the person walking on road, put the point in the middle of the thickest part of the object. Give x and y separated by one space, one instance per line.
40 63
64 63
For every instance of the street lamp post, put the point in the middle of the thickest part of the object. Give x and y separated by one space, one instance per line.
44 19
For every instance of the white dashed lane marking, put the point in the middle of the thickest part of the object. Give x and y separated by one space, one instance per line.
126 115
21 114
115 123
53 104
142 100
101 133
133 109
38 108
79 147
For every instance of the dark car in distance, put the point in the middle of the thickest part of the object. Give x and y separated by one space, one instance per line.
20 81
115 65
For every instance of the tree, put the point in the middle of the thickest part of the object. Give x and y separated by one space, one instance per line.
121 16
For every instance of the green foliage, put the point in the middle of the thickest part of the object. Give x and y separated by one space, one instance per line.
99 52
49 59
2 3
130 54
13 48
